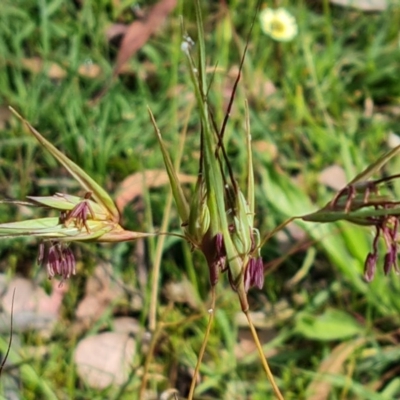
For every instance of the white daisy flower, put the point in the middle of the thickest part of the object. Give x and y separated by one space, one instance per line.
279 24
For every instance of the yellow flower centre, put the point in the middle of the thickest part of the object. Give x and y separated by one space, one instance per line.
277 26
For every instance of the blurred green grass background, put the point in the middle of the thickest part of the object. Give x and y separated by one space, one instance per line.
331 96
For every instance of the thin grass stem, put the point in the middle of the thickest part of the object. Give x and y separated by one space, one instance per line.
263 359
149 357
277 229
211 312
157 265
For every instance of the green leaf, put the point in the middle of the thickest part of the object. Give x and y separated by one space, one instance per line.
180 200
50 228
66 202
331 325
376 166
359 217
98 193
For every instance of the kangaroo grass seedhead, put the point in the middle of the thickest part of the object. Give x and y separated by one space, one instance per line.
219 220
361 203
93 218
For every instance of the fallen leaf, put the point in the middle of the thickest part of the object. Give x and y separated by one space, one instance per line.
139 32
136 35
363 5
133 185
105 359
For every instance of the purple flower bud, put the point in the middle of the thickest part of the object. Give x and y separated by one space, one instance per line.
388 262
254 274
80 213
219 244
58 258
370 266
214 251
390 259
69 264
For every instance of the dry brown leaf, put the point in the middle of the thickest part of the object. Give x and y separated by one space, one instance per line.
133 185
139 32
105 359
319 388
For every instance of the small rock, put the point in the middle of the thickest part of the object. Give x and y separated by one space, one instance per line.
105 359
